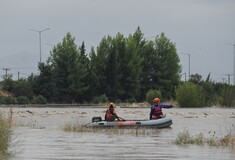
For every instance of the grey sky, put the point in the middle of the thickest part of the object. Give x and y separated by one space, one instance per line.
198 27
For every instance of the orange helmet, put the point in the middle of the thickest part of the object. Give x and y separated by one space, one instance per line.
111 104
156 100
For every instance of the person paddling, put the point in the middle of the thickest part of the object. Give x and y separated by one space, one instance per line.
111 114
156 109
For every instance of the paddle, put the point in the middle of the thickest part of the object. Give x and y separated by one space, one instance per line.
117 107
122 119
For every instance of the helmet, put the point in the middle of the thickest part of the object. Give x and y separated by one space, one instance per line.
111 104
156 100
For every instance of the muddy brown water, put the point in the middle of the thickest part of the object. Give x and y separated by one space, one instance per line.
37 135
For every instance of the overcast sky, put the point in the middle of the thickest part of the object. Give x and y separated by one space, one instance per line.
200 28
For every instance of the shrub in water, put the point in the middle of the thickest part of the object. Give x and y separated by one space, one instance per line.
39 100
183 138
228 96
7 100
1 100
151 94
190 95
199 139
22 100
101 99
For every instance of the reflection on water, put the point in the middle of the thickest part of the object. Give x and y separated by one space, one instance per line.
50 142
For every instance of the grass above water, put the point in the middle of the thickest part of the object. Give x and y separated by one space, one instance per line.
5 136
137 131
184 138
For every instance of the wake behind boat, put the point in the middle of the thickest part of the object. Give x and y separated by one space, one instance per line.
156 123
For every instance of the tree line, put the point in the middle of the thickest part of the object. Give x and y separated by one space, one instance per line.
119 69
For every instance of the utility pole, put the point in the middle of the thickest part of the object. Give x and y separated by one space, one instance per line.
18 76
223 79
185 75
228 78
6 69
233 64
188 64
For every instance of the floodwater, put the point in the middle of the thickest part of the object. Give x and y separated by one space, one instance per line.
38 135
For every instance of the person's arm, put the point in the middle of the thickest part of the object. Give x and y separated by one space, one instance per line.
115 115
165 105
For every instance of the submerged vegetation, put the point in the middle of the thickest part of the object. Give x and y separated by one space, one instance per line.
137 131
184 138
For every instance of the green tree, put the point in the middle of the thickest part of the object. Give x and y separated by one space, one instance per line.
92 76
7 83
113 88
44 83
195 78
118 67
68 70
131 69
160 66
22 87
149 64
80 80
169 68
99 62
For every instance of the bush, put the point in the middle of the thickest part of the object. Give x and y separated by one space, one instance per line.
1 100
101 99
22 88
151 94
7 100
22 100
130 100
228 96
39 100
190 95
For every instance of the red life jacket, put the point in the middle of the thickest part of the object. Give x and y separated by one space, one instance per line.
157 112
108 115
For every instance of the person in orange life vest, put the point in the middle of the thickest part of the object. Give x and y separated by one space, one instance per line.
156 109
111 114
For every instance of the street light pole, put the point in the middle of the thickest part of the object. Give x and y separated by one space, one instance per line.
40 42
233 64
233 61
188 64
185 74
